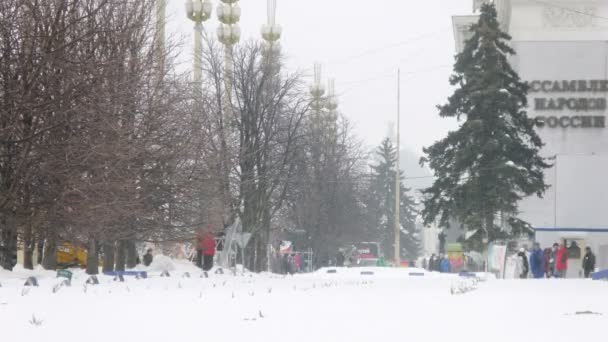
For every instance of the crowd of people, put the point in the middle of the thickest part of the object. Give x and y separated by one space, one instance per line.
551 262
536 263
292 263
438 263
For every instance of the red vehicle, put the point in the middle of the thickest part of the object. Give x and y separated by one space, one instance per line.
368 253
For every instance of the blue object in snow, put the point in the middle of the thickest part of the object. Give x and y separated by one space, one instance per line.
467 274
600 275
536 263
444 266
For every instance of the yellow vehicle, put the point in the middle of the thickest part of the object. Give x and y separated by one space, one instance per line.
70 256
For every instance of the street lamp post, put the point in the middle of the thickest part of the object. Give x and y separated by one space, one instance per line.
271 33
331 105
198 11
317 90
228 33
397 178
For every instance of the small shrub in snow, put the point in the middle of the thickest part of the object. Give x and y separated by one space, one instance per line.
31 281
464 286
63 283
35 321
165 273
92 280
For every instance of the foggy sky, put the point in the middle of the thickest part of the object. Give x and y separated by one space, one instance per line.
361 44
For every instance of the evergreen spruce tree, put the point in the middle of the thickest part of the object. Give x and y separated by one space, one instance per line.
492 161
382 200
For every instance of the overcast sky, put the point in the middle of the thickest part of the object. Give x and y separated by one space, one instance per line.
361 44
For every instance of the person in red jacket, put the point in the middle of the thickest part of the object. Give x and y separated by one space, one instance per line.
561 262
208 250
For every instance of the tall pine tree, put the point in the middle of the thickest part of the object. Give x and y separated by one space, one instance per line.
381 202
492 161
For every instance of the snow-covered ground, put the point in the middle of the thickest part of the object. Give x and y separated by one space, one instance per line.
389 304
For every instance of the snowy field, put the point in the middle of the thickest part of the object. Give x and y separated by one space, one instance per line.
343 306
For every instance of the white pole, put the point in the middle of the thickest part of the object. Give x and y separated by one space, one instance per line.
397 184
198 56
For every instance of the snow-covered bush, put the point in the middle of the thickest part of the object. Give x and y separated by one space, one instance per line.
162 263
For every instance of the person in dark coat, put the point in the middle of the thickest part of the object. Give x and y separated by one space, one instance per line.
537 262
148 257
285 264
547 262
588 262
340 259
198 259
432 262
525 267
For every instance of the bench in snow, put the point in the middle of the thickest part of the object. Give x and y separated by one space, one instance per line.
467 274
416 274
601 275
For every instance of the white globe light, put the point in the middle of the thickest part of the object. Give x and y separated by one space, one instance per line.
236 32
228 15
197 7
198 10
317 90
208 7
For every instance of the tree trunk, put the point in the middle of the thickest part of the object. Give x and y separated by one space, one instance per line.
490 231
28 248
28 260
261 248
92 257
108 257
131 254
49 254
121 256
8 243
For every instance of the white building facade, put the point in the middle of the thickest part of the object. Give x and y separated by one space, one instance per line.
562 51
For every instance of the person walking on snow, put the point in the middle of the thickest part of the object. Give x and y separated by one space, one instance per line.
561 261
148 257
208 251
297 260
588 262
524 267
537 261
